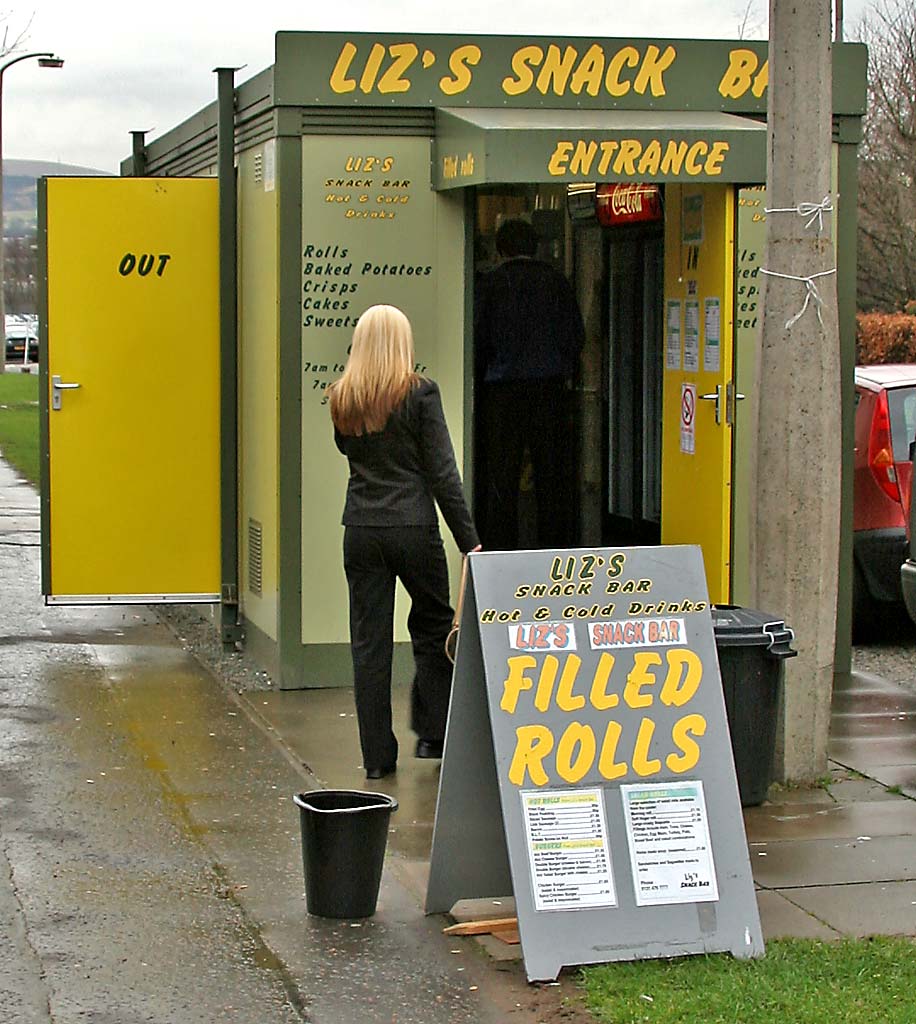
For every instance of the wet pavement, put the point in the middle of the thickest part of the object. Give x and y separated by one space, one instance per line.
839 859
150 857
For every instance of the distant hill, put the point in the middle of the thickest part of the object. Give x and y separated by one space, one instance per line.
20 191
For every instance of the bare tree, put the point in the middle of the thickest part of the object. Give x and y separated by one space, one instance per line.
752 21
12 40
887 159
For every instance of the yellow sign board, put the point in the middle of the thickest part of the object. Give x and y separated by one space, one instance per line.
133 390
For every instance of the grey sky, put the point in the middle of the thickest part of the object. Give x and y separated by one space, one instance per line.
149 66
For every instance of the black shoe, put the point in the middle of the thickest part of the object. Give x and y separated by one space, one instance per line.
429 748
380 773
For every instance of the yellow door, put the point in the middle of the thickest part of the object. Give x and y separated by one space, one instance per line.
698 393
130 370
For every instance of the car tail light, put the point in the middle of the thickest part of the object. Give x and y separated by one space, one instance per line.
881 450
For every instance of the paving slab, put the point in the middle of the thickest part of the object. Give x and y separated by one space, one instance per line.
861 790
895 725
901 776
883 748
781 918
869 701
833 862
876 908
817 795
894 817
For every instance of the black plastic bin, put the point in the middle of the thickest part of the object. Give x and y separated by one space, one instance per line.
752 647
344 834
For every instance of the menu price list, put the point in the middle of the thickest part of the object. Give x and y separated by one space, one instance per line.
670 849
568 849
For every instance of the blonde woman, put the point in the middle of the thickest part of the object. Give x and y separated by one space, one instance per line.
389 423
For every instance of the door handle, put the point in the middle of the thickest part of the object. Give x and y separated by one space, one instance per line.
57 385
715 396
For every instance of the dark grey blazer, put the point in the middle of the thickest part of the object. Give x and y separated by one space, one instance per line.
398 473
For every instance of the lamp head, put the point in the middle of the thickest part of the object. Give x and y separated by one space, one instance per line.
50 62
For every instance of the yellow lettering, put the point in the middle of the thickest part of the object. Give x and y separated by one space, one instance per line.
545 682
458 63
696 151
607 766
599 697
685 670
653 69
640 676
370 71
575 752
566 701
737 78
582 158
716 158
762 80
651 158
626 56
674 157
643 764
532 744
404 55
590 72
339 81
626 158
516 681
524 76
607 151
556 70
559 158
681 735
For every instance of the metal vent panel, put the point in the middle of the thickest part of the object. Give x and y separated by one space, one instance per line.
255 555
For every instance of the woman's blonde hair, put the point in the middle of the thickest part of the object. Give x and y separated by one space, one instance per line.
379 373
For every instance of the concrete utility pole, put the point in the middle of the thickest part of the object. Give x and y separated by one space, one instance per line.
798 401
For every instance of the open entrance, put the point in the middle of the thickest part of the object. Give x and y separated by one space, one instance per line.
608 455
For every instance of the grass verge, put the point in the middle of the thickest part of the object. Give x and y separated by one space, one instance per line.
19 423
799 981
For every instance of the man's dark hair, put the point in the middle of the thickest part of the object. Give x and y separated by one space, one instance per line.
516 238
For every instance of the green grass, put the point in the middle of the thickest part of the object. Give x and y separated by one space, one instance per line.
19 422
853 981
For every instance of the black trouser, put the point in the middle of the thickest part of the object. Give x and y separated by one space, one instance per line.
374 557
535 414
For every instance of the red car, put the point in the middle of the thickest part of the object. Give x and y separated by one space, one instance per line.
885 426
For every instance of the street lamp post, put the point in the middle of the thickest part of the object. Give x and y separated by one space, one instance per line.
45 60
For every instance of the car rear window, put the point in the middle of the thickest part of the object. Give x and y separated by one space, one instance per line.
901 404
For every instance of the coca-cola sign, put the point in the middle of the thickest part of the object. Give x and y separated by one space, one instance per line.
627 203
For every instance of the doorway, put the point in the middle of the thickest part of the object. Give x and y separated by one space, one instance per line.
614 461
633 377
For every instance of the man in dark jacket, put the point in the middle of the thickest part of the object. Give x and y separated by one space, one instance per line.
528 334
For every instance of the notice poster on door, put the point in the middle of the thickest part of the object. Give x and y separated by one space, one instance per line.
673 335
712 330
688 419
670 850
568 849
691 336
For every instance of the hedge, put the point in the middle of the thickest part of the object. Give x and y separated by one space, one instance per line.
885 338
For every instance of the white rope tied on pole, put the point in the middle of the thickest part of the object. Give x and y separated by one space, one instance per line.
813 211
811 293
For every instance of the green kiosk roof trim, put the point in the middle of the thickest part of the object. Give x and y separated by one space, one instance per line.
475 147
416 70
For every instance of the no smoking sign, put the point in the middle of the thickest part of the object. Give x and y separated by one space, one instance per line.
688 418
